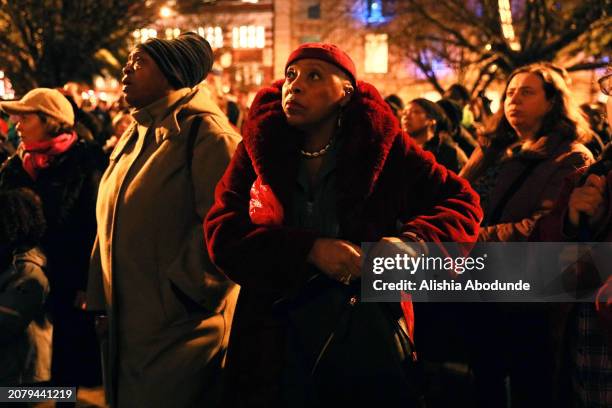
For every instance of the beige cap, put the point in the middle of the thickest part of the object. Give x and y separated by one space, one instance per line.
48 101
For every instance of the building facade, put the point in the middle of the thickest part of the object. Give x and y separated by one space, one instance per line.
253 38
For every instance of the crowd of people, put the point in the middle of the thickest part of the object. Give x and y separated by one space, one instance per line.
135 237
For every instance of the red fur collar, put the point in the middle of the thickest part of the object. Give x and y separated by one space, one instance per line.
369 130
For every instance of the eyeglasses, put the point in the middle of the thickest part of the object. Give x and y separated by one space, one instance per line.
605 83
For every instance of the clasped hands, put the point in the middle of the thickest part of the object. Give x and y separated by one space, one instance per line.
342 260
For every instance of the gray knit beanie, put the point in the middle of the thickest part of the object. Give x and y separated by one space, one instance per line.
185 61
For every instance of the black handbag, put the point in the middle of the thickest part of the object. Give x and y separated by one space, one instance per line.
341 351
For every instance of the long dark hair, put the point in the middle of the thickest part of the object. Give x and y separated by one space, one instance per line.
22 223
564 118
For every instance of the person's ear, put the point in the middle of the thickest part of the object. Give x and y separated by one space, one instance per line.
348 93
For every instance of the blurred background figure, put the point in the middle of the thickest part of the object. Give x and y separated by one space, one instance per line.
9 140
25 331
596 116
121 121
396 104
86 125
233 111
6 147
461 96
459 134
428 125
64 171
101 111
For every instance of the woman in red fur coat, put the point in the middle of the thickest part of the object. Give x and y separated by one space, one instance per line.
323 166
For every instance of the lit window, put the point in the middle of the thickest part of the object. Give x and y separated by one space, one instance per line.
260 37
214 36
218 37
376 53
144 34
172 33
244 39
249 37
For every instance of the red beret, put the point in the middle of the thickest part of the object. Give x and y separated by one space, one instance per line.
325 52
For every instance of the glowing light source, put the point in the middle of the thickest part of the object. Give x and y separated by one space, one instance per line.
375 12
505 16
214 35
249 37
370 13
494 96
144 34
376 53
165 11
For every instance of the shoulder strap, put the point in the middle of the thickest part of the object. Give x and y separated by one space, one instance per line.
518 182
193 134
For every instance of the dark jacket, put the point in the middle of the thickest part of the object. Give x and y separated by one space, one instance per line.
555 159
515 341
25 331
67 189
447 152
386 186
552 228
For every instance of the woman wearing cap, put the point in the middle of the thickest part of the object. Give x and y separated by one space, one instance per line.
169 309
323 166
64 171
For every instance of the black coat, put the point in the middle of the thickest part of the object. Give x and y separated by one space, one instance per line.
67 189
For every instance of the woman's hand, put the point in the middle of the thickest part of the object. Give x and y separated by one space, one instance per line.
338 259
588 199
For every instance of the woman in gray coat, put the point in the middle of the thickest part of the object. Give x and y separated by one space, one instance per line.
169 309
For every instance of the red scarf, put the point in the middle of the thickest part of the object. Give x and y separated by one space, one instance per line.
39 155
